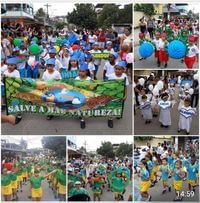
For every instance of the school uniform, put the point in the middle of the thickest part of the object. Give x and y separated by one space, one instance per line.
165 115
146 110
110 69
55 75
145 182
185 118
14 74
123 76
190 58
163 56
156 42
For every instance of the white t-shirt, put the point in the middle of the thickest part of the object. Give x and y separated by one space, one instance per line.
156 41
4 68
78 78
161 44
91 67
92 38
114 77
47 76
109 68
14 74
65 62
192 51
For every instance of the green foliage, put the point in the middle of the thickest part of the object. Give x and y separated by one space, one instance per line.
60 25
83 16
124 150
106 150
147 9
143 138
56 144
40 13
111 14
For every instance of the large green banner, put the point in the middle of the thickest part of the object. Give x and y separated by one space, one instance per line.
65 97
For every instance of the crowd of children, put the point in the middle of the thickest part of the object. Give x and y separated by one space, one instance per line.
183 30
20 173
156 97
176 166
94 177
64 56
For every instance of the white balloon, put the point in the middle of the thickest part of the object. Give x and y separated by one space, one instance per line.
179 77
196 76
160 84
187 86
129 58
141 81
155 91
150 87
191 91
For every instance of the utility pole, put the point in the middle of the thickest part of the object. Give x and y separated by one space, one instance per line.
47 5
85 144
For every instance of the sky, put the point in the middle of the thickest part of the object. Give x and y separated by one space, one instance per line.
94 141
33 141
57 9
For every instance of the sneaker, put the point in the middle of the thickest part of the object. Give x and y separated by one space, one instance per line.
187 133
164 191
141 58
178 130
18 119
82 123
149 198
49 117
110 123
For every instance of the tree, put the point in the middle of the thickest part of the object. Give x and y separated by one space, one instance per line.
57 144
112 14
83 16
147 9
60 25
126 14
142 138
124 150
108 15
106 150
40 13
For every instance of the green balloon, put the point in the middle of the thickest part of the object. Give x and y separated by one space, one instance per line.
34 49
17 42
59 42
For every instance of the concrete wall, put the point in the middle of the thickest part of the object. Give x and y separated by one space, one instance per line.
154 141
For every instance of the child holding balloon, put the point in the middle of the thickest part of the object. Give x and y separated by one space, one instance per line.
162 45
192 54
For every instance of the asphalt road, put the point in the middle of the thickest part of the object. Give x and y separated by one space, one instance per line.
140 128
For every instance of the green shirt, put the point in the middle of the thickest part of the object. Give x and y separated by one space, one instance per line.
13 176
29 169
5 180
62 179
36 182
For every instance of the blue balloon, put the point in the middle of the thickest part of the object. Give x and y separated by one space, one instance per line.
176 49
146 49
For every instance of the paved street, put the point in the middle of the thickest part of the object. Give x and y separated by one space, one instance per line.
109 196
33 124
140 128
151 63
156 193
26 193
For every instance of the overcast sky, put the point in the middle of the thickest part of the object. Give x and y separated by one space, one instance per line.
33 141
56 9
94 141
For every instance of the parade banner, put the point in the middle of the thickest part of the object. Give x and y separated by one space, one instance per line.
67 97
100 55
